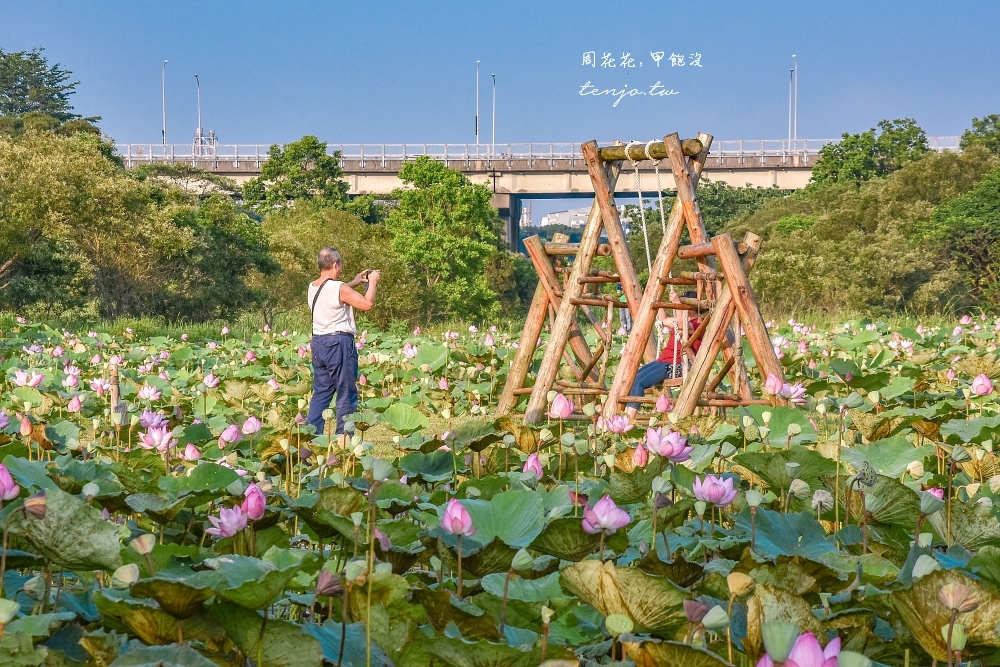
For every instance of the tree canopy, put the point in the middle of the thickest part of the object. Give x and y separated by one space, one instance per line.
299 171
871 154
984 132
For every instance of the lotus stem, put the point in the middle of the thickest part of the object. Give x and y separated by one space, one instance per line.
371 571
948 500
729 634
600 552
343 627
753 526
503 602
951 626
6 530
560 468
458 582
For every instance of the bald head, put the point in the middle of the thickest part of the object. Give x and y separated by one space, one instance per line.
328 258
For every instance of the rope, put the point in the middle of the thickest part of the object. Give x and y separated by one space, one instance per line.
642 209
659 188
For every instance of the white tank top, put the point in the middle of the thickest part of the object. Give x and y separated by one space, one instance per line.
331 315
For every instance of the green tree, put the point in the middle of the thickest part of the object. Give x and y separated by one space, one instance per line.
446 230
301 170
862 157
29 85
984 132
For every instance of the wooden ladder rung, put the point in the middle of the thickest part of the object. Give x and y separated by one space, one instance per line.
556 249
702 275
678 281
718 403
686 304
599 279
598 303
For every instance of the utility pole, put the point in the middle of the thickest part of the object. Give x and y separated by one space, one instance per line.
493 142
477 108
163 93
795 115
198 83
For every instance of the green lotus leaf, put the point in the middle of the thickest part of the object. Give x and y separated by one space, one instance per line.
888 456
457 652
277 643
922 613
182 596
29 474
355 644
770 603
433 355
174 655
986 564
393 496
526 590
71 535
255 583
630 488
442 608
785 534
160 509
404 419
476 434
65 434
655 654
434 467
655 604
770 466
341 501
781 418
206 476
494 557
565 539
40 625
153 625
874 569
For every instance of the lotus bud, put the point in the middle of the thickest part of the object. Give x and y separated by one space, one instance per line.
25 427
328 584
930 503
356 572
958 636
125 576
695 611
915 469
959 454
547 615
958 597
143 545
799 488
700 506
739 583
90 491
618 624
716 620
779 638
754 498
522 561
822 501
925 565
35 505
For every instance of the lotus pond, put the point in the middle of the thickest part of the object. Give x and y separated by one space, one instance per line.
164 503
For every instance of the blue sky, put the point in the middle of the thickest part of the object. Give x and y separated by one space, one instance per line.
405 71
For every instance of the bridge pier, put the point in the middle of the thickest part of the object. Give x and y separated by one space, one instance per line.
508 206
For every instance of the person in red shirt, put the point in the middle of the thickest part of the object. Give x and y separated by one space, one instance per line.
668 364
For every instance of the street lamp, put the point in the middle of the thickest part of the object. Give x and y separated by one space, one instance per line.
477 108
493 141
163 93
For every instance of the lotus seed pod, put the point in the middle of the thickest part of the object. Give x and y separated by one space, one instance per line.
747 421
739 583
766 417
852 659
700 506
36 588
915 469
754 498
925 540
143 545
958 636
925 565
958 597
357 518
822 501
779 638
716 620
618 624
728 450
547 615
799 488
356 572
90 490
661 485
125 576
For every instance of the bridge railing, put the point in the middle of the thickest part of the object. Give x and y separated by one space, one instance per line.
251 155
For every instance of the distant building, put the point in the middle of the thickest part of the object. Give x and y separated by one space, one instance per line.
577 218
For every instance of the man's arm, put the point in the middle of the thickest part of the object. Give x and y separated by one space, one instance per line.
362 302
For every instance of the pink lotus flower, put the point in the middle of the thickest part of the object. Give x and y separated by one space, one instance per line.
561 407
8 488
773 384
254 503
670 445
251 425
443 384
982 385
605 517
57 352
803 347
937 492
302 352
148 393
533 465
409 351
96 359
249 357
267 327
190 453
795 393
663 404
150 419
416 332
25 427
473 329
157 438
618 424
211 381
99 386
273 384
808 653
457 520
117 360
225 331
184 336
4 419
715 491
965 320
70 382
363 380
211 345
640 456
229 435
22 379
578 499
488 341
74 404
230 522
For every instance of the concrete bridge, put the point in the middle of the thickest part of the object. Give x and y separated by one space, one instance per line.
515 172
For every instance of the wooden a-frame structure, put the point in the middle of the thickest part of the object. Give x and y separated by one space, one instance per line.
723 290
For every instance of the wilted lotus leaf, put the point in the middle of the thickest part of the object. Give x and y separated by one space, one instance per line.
153 625
255 583
236 391
160 509
175 655
923 614
460 653
565 539
278 643
71 535
653 603
888 503
770 603
878 426
404 419
680 571
972 525
443 608
179 595
656 654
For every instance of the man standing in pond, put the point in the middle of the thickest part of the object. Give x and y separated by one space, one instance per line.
334 355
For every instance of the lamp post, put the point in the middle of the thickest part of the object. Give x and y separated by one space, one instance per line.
795 113
163 94
198 83
493 141
477 108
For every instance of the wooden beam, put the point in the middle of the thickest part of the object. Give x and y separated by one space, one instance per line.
560 249
657 151
525 354
640 337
